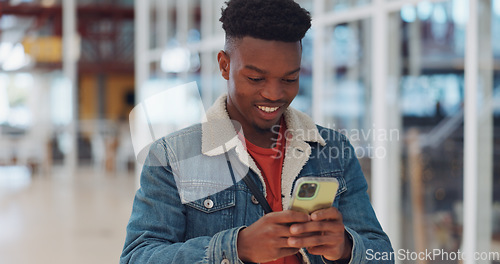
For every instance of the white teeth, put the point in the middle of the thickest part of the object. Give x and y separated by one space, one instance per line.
268 109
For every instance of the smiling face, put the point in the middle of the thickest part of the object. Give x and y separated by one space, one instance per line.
263 79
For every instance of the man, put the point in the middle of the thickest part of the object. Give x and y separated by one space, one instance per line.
176 220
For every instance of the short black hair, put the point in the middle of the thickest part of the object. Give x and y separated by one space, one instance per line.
280 20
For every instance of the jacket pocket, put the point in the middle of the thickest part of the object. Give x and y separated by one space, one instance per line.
215 202
210 215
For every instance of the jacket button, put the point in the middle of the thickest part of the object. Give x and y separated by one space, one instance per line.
208 203
225 261
254 200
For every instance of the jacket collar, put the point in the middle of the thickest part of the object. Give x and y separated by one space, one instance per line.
219 135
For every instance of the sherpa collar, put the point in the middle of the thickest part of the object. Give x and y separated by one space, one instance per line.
219 135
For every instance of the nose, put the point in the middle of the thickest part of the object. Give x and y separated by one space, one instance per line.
273 91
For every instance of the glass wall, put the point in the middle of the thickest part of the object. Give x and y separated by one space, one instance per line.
431 92
347 86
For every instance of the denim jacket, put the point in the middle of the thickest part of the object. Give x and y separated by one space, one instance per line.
190 209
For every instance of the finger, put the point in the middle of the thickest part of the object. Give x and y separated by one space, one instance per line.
288 251
287 217
331 226
331 252
316 240
281 243
326 214
284 248
275 230
306 234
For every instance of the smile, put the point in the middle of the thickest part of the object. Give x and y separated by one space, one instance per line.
268 109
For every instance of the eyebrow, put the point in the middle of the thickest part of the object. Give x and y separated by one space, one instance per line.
261 71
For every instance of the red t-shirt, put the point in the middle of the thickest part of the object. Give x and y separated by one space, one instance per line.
270 163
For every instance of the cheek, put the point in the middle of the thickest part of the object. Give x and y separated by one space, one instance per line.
243 95
239 93
231 87
293 91
242 88
235 83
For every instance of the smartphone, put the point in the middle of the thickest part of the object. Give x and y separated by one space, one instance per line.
313 193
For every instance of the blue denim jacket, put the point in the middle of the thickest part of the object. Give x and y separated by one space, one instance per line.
188 210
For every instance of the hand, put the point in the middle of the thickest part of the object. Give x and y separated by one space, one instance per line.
326 235
267 239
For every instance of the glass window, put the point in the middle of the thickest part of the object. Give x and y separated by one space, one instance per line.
303 99
346 105
217 25
16 91
339 5
217 82
194 23
348 70
431 94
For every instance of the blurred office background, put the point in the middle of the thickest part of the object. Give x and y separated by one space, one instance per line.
414 84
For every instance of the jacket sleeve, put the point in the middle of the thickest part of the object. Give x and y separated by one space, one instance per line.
156 229
370 243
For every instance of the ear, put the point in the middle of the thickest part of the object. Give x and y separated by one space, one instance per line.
224 64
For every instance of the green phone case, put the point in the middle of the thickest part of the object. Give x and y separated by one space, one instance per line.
323 197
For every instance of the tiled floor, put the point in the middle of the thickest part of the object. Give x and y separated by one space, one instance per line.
63 218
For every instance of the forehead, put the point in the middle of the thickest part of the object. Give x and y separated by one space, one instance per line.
269 55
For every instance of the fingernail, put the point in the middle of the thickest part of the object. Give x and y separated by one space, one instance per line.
314 216
292 241
294 229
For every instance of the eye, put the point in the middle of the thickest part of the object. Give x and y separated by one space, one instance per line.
290 80
255 79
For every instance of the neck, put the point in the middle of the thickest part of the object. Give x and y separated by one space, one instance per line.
263 140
